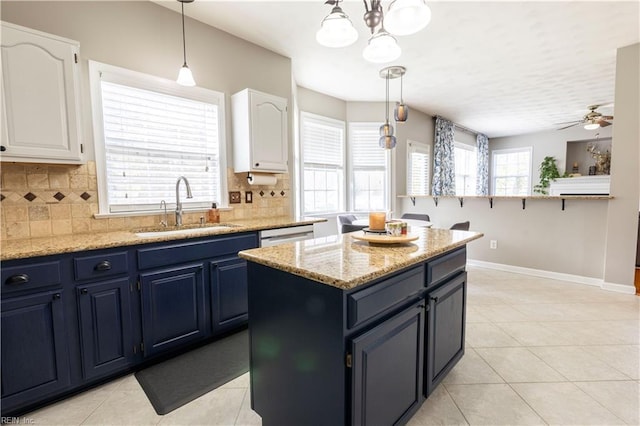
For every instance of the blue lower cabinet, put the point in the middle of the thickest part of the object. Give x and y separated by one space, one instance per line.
228 279
173 307
35 358
104 318
387 370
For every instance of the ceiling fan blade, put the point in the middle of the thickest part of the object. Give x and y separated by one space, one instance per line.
606 117
567 122
570 125
603 123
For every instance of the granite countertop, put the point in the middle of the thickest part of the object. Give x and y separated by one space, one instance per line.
344 262
32 247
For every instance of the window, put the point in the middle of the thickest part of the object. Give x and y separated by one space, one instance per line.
322 149
418 160
511 171
370 174
466 165
149 131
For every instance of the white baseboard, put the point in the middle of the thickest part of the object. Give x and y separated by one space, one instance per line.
598 282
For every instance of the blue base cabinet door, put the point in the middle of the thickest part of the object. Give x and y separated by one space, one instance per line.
445 329
228 293
173 307
35 359
387 364
104 312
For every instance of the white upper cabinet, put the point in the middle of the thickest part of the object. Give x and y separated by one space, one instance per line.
40 97
259 132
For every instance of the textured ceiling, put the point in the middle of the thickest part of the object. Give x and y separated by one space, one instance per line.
501 68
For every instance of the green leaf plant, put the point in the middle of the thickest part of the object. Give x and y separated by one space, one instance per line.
548 172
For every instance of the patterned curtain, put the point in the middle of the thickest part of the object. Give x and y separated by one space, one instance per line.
444 173
482 181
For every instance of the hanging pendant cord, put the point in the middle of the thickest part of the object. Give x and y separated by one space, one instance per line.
386 104
184 44
401 80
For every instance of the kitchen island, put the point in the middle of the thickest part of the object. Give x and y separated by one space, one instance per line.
347 333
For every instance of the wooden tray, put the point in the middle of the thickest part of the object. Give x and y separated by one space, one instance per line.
385 239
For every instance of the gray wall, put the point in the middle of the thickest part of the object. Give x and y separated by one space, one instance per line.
622 218
145 37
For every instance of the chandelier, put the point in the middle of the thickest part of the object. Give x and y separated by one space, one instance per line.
403 17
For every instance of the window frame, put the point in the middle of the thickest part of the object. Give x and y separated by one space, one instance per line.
415 146
149 82
528 149
342 186
350 168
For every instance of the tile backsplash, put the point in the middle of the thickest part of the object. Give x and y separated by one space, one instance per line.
43 200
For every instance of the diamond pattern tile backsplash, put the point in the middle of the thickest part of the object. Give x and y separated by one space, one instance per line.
43 200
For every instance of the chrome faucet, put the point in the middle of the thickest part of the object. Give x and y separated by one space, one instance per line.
164 220
178 203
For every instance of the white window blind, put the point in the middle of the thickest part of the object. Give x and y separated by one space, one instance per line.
466 166
418 168
369 168
512 171
152 137
322 163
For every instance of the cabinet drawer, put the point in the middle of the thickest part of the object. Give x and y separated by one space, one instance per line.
374 300
35 275
100 266
446 266
187 252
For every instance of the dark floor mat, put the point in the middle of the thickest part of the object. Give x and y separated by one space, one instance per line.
173 383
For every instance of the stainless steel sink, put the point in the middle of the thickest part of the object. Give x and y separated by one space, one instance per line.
184 230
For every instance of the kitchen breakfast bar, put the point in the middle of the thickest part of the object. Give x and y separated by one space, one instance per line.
344 332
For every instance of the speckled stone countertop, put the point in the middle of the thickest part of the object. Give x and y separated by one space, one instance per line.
344 262
32 247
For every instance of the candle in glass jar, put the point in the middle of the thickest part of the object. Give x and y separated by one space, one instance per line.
376 220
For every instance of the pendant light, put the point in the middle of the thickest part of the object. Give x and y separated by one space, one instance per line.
185 77
401 111
382 47
406 17
387 140
336 29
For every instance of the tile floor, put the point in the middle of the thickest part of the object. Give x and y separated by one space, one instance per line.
539 351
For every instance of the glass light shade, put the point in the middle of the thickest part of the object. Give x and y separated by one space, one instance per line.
406 17
591 126
336 30
401 112
185 78
382 48
386 130
387 142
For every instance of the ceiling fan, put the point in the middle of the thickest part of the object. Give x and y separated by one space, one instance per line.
592 120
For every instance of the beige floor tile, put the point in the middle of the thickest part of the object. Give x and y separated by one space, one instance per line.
239 382
246 416
128 383
218 407
621 398
577 364
73 411
473 315
501 313
488 335
496 404
626 331
472 369
565 404
554 311
624 358
519 365
124 407
438 409
534 334
583 332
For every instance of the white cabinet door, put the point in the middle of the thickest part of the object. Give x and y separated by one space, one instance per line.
40 97
260 132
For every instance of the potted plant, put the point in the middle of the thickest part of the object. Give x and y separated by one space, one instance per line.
548 172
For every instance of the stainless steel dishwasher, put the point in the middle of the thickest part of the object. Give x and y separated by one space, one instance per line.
272 237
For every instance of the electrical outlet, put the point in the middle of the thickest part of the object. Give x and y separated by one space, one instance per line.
234 197
493 244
